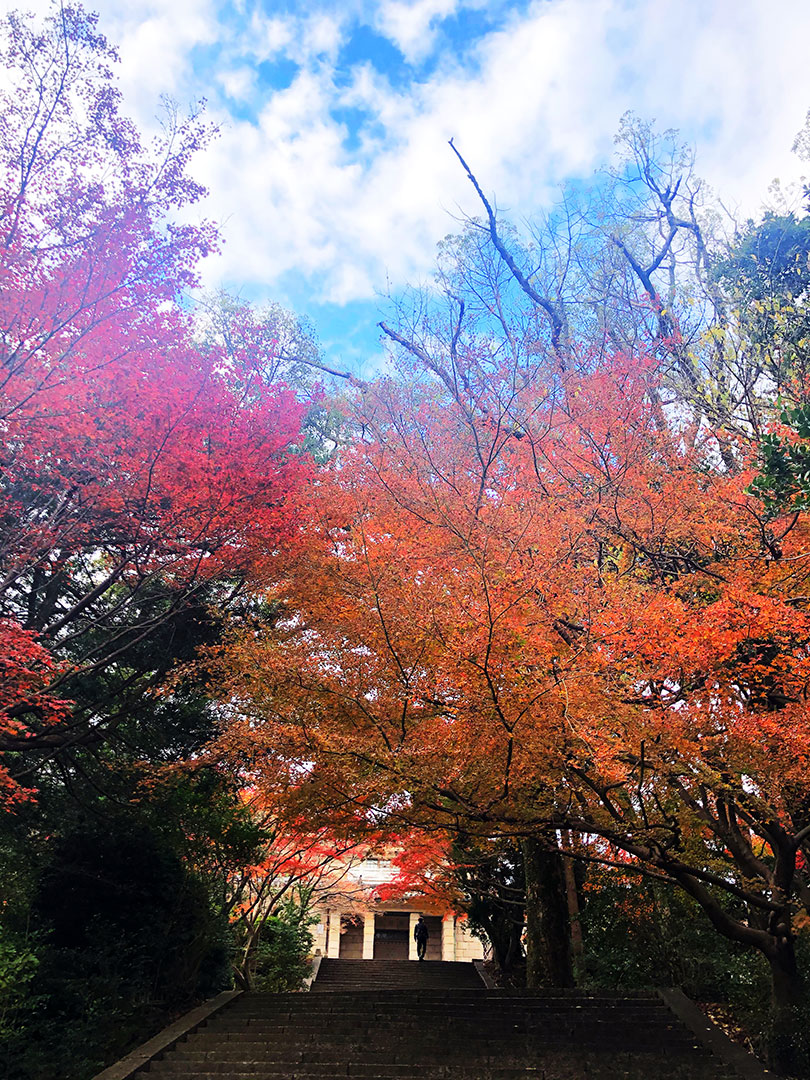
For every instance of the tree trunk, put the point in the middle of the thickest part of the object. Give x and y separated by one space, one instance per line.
572 898
785 1053
504 935
513 952
548 929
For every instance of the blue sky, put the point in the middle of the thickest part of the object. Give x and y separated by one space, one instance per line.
332 179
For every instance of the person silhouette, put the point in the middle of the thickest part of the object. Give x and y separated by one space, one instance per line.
420 936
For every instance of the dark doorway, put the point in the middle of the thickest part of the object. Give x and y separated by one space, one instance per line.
391 935
434 945
351 939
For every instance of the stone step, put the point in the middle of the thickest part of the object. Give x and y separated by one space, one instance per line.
333 1004
473 999
477 1000
370 1040
368 984
465 1026
560 1070
379 1031
465 993
331 984
575 1068
426 1054
392 1002
502 1037
395 973
406 1053
539 1036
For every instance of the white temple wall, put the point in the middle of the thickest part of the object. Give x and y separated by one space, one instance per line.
457 943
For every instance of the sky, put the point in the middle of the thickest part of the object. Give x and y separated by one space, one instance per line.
331 177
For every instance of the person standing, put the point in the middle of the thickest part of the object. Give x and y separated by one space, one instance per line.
420 936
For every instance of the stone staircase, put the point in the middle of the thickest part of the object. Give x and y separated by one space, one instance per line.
395 975
390 1020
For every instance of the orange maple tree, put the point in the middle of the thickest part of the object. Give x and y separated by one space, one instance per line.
539 602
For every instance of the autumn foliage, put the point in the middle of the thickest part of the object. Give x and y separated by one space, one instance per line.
536 601
130 455
546 595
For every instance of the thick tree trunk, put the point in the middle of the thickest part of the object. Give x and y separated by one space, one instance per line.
572 897
504 936
513 952
787 1039
548 929
784 1054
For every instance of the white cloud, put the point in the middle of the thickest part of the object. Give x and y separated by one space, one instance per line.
543 102
323 35
267 37
239 83
156 40
306 39
411 24
531 103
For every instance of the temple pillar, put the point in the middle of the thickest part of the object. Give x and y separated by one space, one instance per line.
319 934
368 935
333 940
414 919
449 937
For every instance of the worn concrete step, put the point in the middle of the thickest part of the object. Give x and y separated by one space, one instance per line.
392 1024
417 968
523 1039
545 1071
457 1034
540 1042
405 1051
449 1016
470 995
549 1037
469 981
369 1036
467 994
347 1042
562 1070
326 1008
341 974
340 987
469 977
478 1001
426 1056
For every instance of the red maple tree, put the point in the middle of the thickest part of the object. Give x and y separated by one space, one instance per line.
129 455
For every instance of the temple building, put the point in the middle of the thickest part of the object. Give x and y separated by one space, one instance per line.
358 924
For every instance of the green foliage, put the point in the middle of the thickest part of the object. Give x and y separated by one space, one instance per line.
646 934
786 1037
131 938
491 878
765 278
281 959
771 259
124 893
123 859
784 481
18 966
